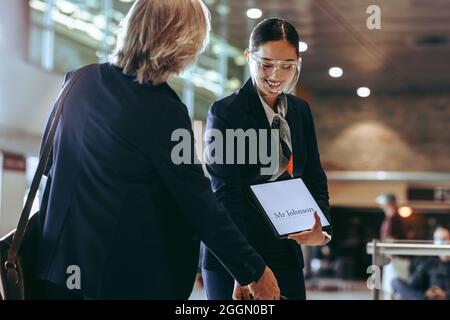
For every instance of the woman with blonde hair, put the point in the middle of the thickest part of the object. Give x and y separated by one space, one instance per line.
119 219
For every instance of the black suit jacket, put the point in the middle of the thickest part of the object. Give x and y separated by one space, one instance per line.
230 183
115 204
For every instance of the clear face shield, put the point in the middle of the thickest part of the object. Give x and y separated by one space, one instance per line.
273 77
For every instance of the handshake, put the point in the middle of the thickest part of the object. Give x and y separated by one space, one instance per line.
266 288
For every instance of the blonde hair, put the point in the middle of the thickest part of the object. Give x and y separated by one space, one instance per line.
159 38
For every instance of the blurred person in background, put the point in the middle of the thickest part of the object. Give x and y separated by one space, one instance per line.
392 228
431 278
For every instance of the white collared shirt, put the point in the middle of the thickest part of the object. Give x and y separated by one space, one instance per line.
270 114
268 110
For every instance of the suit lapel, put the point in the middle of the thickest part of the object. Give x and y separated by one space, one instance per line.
252 104
295 122
255 118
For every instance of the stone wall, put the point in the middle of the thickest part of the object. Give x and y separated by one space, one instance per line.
383 132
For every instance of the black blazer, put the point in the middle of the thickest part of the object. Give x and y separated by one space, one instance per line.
230 183
115 204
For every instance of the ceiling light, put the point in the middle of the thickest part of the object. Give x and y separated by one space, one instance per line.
405 212
335 72
223 9
254 13
363 92
302 46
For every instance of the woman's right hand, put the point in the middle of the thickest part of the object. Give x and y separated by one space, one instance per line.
266 288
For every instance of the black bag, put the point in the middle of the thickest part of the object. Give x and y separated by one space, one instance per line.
18 249
15 273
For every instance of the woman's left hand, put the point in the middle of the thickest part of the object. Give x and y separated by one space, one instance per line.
314 237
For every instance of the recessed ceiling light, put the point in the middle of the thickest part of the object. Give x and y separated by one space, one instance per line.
363 92
223 9
302 46
254 13
335 72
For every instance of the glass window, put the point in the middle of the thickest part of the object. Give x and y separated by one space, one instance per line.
67 34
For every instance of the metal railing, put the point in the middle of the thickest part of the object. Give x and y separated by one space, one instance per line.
380 250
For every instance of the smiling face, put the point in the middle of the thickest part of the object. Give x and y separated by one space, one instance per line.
272 77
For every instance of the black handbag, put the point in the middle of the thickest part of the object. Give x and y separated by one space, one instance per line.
18 249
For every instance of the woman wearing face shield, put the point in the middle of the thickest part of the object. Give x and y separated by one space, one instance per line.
266 102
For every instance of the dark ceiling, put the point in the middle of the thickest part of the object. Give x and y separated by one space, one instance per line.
410 53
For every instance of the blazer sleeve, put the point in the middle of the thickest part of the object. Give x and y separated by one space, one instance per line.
314 176
192 192
226 179
47 128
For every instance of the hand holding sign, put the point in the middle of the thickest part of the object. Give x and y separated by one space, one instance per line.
289 208
313 237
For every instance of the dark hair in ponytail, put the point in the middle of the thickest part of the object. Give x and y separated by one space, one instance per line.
273 29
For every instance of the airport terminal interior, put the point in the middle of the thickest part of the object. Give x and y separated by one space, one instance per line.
375 73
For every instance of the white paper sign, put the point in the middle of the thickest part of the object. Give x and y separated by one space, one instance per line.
289 205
